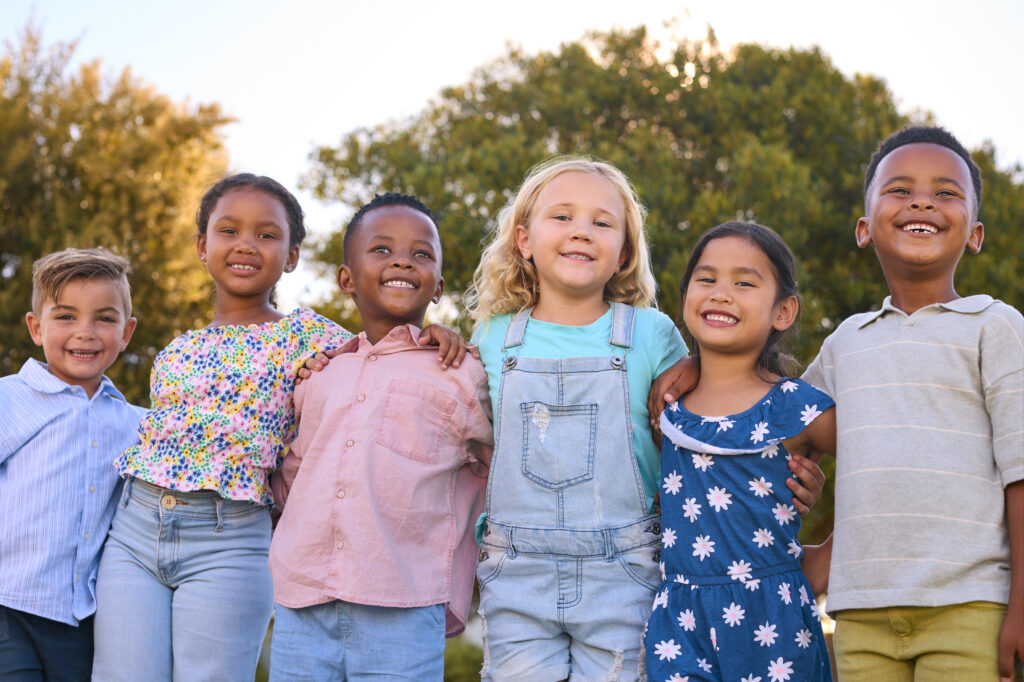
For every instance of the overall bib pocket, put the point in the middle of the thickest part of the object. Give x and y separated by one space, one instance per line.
558 443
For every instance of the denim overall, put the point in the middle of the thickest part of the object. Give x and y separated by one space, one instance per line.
568 563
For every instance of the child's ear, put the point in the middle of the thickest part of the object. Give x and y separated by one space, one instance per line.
293 258
438 290
35 328
863 233
623 256
345 282
975 238
523 242
785 313
126 335
201 246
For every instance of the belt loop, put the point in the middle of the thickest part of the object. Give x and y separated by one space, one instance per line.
609 545
220 518
126 493
511 551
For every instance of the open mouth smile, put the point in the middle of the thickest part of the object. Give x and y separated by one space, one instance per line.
83 354
575 255
920 228
720 318
399 284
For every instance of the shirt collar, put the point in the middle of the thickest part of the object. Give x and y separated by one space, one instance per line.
398 339
968 305
37 376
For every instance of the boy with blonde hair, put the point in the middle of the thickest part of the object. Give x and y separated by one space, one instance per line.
62 422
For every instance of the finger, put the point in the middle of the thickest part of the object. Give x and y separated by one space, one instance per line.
304 373
427 337
473 350
332 352
448 353
460 353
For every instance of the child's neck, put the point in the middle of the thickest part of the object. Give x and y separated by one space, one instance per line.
728 384
233 310
377 329
910 295
569 312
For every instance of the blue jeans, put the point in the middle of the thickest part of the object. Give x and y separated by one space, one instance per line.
184 590
33 648
344 641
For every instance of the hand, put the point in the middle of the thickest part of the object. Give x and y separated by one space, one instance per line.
452 348
1011 640
315 363
675 381
807 489
815 565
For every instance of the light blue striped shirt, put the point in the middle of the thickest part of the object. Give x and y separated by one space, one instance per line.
58 489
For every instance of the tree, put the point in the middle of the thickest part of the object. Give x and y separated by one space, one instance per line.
89 160
777 136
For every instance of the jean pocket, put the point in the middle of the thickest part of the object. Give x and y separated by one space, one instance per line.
558 443
640 566
412 402
491 561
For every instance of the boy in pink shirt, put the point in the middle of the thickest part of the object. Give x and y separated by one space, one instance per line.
374 556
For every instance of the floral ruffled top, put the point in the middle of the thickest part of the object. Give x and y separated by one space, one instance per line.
222 413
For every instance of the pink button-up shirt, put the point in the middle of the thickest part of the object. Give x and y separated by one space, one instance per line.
384 480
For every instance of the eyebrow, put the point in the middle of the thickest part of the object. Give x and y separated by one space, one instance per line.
569 204
233 219
740 270
941 179
63 307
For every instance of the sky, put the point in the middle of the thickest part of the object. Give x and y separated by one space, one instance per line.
300 74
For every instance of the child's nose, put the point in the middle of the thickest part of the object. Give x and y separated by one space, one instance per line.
922 202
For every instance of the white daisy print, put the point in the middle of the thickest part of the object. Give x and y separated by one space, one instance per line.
714 638
763 537
667 651
765 635
760 487
789 387
681 579
660 599
770 451
759 432
668 538
691 509
702 461
795 549
703 664
739 570
814 610
703 547
676 677
803 638
733 614
673 482
784 513
752 584
780 670
724 423
751 678
673 406
661 567
718 498
804 599
809 414
687 620
784 593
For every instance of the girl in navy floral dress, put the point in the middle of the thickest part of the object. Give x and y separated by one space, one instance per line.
733 604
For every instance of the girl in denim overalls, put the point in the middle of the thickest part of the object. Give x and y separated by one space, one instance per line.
569 551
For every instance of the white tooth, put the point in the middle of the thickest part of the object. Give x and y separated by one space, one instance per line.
398 283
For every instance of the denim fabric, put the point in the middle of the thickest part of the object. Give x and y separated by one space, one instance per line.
33 648
340 641
184 590
568 563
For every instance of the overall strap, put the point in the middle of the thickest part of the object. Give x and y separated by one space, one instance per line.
622 325
517 329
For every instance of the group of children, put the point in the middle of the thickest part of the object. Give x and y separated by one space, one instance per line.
404 467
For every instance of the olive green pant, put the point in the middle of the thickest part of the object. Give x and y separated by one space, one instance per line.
919 643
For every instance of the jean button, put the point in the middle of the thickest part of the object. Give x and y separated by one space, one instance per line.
168 502
510 362
482 556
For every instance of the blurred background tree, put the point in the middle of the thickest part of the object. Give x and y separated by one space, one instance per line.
90 160
781 137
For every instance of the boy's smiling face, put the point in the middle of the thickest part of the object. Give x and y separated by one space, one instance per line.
392 268
921 212
83 331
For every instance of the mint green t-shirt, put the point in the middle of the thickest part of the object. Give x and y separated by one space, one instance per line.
657 345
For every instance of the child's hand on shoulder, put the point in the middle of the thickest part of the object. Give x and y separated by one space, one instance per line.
315 363
451 347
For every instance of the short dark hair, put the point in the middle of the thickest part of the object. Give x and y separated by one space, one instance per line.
380 201
772 358
927 135
296 226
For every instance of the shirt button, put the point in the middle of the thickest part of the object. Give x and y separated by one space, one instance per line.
86 536
361 397
341 493
95 444
350 443
341 544
92 488
373 357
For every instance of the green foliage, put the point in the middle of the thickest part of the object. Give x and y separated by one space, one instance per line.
90 160
777 136
462 661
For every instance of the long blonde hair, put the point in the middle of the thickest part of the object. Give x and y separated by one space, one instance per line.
505 282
